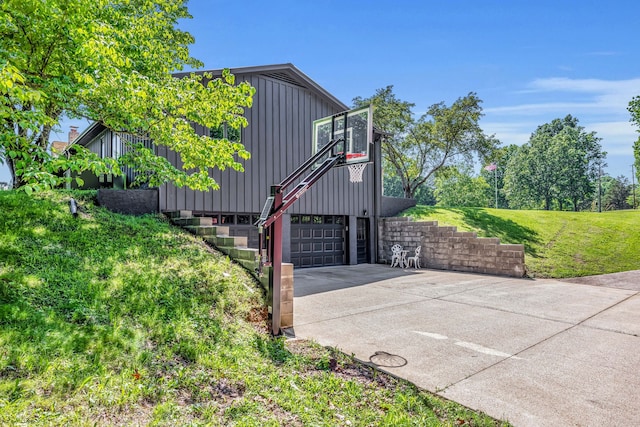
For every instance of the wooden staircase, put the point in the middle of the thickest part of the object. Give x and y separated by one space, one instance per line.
236 248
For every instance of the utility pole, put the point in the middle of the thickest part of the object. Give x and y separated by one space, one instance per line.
633 185
495 175
600 187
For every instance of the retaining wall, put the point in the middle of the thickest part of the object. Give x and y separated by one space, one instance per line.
446 248
392 206
130 202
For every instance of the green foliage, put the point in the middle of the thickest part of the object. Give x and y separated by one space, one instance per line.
559 163
393 188
616 193
110 61
108 319
634 109
557 244
636 159
416 149
458 188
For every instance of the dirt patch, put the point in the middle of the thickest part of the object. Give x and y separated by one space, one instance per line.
341 365
259 319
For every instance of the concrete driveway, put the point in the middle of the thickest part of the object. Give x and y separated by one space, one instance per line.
533 352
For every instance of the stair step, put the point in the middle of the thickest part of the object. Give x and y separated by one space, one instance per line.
231 241
193 221
179 214
249 254
233 246
208 230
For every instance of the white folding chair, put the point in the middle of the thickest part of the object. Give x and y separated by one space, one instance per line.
415 259
396 255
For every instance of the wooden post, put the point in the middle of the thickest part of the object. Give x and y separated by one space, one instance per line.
276 266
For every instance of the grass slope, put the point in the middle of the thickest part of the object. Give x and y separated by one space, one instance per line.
557 244
107 319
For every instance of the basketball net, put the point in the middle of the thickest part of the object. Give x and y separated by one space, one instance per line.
355 171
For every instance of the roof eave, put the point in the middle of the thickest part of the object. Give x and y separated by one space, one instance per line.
274 68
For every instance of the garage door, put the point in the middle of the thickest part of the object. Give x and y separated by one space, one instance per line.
317 240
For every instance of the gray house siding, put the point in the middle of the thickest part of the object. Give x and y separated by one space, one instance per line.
279 140
107 143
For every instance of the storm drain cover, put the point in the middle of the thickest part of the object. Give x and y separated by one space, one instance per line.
387 360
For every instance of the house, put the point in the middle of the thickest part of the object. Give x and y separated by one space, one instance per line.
334 223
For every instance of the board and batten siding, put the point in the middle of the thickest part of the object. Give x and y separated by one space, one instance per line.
107 143
279 140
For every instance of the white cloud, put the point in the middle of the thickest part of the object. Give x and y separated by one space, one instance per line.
563 84
617 137
541 108
596 95
617 129
509 133
600 105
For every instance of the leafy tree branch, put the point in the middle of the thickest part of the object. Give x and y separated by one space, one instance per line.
415 150
112 62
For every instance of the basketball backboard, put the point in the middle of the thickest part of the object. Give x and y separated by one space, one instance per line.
355 126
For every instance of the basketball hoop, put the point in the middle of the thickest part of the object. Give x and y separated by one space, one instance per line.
355 171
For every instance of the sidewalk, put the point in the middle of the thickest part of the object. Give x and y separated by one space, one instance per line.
533 352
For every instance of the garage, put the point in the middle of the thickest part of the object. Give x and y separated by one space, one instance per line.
317 240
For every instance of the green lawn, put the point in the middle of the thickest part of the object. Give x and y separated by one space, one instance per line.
107 319
557 244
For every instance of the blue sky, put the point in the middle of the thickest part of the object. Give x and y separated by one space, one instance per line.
529 61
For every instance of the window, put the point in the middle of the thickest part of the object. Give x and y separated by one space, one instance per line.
244 219
116 145
226 131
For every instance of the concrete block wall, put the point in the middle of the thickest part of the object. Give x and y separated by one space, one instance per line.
392 206
130 202
446 248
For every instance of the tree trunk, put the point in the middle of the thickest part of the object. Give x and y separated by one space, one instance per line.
408 193
17 182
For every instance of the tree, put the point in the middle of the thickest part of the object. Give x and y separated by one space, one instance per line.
393 188
636 160
416 149
559 163
457 188
110 61
527 183
616 193
580 158
634 109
